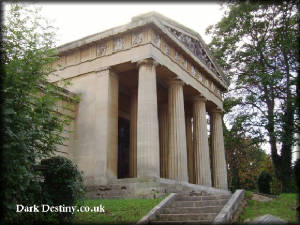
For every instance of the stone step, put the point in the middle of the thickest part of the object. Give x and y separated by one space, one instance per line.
181 210
186 217
112 194
199 198
201 203
180 222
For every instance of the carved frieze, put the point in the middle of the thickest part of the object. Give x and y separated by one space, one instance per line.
185 64
200 76
167 49
137 38
194 46
206 82
157 40
177 57
193 70
118 43
101 49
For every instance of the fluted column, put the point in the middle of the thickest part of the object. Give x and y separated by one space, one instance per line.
163 140
133 134
177 164
147 121
217 150
200 143
112 124
189 145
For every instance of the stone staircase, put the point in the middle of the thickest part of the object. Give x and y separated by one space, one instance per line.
192 208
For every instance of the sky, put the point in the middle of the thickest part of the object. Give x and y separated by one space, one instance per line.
77 20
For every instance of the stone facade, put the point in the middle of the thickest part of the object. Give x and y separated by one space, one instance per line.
159 77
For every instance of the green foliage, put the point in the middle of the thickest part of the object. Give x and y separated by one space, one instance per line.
244 156
284 207
119 211
263 182
31 129
258 46
62 183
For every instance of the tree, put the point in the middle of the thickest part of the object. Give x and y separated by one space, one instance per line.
244 156
258 46
31 130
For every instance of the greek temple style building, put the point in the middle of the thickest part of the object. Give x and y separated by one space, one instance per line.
146 89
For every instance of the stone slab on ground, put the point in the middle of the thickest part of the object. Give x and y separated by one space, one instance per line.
261 198
267 219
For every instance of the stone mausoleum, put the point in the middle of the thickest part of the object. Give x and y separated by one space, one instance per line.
146 89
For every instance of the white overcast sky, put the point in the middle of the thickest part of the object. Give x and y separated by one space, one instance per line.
77 20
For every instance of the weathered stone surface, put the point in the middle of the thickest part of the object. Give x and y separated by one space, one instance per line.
187 208
218 153
268 219
202 174
227 212
157 209
147 122
177 158
106 69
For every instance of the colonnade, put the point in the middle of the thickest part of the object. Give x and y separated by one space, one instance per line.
170 143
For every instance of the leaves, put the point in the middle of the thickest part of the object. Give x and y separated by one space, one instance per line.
257 44
32 129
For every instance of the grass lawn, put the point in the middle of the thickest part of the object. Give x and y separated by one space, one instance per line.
284 206
116 210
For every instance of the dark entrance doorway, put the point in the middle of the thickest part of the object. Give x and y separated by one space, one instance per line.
123 148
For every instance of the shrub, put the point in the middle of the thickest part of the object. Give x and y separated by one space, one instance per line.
264 180
62 184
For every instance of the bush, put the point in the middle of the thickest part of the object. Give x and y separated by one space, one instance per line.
62 184
264 180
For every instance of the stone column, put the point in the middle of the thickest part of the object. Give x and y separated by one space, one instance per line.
112 125
163 140
177 164
96 137
219 166
147 121
189 145
200 143
133 134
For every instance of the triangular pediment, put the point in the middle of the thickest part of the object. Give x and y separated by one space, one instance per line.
195 47
191 41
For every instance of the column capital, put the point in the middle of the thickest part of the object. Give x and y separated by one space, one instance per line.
148 61
175 81
106 69
216 110
199 97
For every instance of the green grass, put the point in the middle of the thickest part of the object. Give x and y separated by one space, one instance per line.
116 210
284 206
